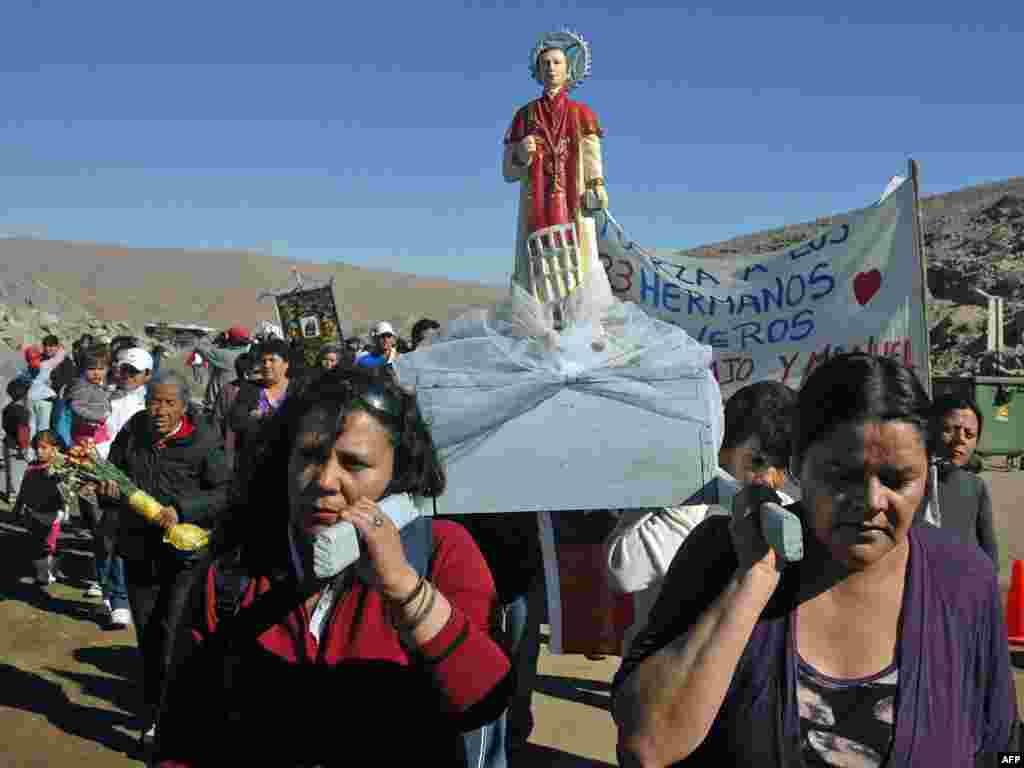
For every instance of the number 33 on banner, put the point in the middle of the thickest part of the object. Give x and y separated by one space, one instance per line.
621 279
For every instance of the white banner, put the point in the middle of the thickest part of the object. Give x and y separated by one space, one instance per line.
858 285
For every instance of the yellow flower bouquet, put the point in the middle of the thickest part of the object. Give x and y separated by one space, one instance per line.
82 464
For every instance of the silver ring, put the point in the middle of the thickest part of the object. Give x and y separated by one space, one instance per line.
378 521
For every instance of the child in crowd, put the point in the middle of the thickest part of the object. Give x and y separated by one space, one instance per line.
17 421
33 360
90 401
40 501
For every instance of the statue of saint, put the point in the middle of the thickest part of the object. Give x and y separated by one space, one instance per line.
553 149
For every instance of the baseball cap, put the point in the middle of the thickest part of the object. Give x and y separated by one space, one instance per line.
137 358
238 333
383 327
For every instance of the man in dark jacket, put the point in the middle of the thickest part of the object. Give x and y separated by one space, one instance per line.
178 459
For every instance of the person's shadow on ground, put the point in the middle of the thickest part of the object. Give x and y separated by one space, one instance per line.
593 693
17 580
537 755
31 693
121 667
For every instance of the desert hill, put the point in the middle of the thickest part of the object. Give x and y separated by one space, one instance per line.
219 288
974 238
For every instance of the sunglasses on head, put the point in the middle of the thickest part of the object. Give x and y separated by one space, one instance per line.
379 400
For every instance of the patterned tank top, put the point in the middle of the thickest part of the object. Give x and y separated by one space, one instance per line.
846 722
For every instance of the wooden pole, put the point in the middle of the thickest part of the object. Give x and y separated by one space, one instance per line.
933 513
919 253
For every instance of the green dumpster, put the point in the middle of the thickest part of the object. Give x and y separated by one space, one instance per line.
1001 400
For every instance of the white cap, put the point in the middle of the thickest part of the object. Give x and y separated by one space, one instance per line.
383 327
137 358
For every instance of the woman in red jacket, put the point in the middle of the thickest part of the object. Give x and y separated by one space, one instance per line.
343 623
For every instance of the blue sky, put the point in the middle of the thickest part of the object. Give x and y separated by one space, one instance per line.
371 133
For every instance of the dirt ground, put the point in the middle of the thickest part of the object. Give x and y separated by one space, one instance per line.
67 690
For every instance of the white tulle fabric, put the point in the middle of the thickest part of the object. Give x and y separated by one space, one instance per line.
497 363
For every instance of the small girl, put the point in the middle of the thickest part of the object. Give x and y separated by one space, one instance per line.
90 400
40 501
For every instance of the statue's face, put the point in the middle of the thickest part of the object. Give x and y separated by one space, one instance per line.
553 68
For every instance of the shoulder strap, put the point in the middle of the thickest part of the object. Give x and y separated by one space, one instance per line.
234 627
230 581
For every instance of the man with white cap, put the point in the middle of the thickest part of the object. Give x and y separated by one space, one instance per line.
133 368
384 351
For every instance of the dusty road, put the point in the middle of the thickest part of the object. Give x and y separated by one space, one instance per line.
67 690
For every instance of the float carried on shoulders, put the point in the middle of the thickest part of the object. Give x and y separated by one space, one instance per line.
563 397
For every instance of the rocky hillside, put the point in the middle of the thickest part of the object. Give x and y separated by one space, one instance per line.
976 242
30 310
974 239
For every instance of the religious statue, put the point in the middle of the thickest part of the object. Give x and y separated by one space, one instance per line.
553 149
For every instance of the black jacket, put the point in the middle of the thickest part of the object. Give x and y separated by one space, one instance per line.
190 474
510 543
63 376
245 427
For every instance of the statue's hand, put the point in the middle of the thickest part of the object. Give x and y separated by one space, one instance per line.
595 199
525 150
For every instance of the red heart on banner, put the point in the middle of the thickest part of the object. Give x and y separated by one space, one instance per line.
866 285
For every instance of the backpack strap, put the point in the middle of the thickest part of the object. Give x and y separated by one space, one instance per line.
231 579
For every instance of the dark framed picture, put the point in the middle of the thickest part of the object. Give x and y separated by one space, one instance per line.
309 316
310 327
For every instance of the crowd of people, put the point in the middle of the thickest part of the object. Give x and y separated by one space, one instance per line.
889 627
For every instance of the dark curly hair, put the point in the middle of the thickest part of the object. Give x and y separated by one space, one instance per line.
765 410
420 328
943 405
263 482
854 388
18 388
273 347
96 356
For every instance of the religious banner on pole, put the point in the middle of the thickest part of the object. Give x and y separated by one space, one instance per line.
857 285
309 318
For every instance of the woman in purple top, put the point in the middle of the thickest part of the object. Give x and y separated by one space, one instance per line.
884 645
